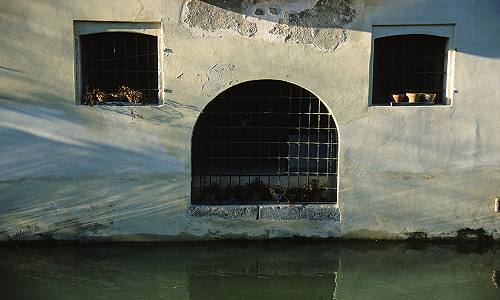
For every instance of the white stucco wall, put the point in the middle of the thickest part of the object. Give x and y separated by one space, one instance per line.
70 171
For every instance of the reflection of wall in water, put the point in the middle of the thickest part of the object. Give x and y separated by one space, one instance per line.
265 279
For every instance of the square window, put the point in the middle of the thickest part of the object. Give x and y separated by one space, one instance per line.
409 68
118 68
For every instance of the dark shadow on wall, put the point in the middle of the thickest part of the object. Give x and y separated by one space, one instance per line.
78 184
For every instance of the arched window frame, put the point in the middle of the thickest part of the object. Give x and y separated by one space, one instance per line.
201 137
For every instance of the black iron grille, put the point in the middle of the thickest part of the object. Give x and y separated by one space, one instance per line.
113 59
264 141
408 63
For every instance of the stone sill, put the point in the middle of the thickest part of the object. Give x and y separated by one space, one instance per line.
312 212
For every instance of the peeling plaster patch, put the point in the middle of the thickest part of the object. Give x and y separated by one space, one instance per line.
259 12
274 11
215 15
322 26
321 23
218 77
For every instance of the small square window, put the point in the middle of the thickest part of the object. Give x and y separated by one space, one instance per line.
409 70
117 67
412 65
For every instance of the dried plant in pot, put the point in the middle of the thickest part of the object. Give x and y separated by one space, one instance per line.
123 94
128 94
94 96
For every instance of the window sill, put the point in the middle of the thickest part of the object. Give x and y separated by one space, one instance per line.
413 104
311 212
124 104
409 105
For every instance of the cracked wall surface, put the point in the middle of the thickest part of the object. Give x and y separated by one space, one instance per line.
321 23
215 15
219 76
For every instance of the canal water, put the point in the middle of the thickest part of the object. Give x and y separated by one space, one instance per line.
250 270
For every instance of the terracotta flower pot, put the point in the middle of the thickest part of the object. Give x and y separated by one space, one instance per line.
412 97
397 97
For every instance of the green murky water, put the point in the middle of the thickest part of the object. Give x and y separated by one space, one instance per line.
243 270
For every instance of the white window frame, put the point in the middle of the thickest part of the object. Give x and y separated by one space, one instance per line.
441 30
83 27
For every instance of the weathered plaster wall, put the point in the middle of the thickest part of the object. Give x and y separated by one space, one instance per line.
320 23
71 171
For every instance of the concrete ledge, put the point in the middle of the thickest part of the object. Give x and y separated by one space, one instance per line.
312 212
242 212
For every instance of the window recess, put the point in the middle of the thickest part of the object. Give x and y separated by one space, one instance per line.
118 68
409 70
264 141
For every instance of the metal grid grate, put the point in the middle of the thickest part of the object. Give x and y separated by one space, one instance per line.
112 59
264 141
408 63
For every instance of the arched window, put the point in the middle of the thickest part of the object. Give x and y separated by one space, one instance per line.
264 141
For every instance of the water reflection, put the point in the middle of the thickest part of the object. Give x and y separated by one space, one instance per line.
494 279
243 270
